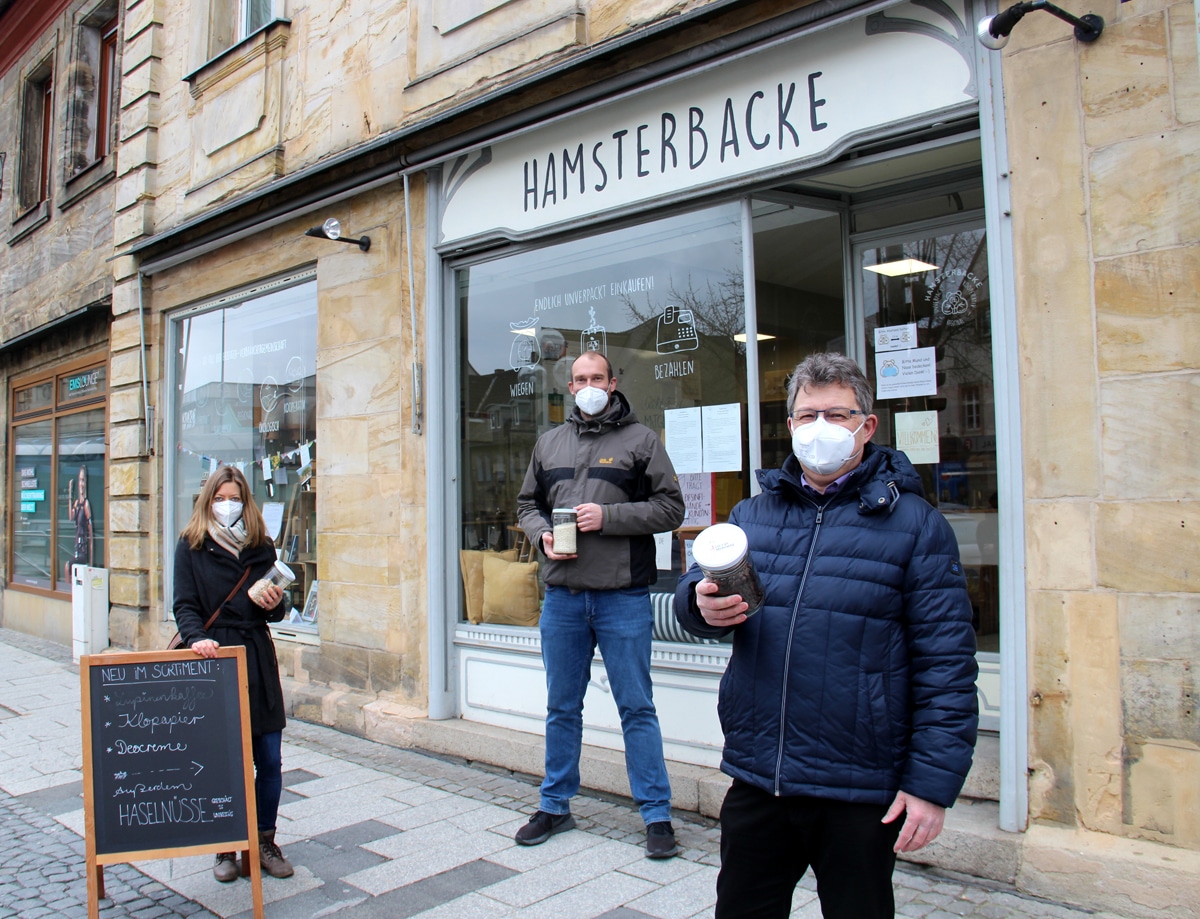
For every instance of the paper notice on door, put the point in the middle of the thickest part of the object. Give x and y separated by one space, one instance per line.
895 337
900 374
917 436
682 439
722 437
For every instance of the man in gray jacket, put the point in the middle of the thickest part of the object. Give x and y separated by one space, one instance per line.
617 476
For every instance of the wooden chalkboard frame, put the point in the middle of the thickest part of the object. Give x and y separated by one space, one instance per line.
239 738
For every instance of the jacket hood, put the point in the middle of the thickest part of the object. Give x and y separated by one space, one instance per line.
619 412
883 475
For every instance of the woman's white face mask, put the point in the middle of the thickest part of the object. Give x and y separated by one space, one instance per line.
824 448
227 513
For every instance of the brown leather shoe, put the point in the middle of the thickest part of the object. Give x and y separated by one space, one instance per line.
225 868
271 858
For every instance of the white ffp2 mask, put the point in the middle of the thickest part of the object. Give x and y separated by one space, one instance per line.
822 447
591 400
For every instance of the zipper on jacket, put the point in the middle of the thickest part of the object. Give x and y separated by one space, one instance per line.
787 655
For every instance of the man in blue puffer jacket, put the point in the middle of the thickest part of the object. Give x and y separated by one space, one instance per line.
849 701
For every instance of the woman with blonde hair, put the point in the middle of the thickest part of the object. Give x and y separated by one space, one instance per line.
222 552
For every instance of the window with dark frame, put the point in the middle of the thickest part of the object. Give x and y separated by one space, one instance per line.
37 120
106 89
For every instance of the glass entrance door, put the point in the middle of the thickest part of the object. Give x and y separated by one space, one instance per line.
927 348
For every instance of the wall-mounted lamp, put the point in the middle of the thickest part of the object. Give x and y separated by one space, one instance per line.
332 229
993 31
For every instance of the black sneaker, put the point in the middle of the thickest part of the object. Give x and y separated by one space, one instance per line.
542 826
660 840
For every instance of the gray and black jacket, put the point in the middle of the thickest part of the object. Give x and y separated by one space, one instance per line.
616 462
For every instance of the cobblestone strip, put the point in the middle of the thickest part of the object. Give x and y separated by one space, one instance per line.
44 875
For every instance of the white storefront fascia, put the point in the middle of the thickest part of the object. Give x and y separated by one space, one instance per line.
790 106
780 109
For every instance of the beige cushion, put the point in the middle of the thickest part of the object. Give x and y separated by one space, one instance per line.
471 563
510 591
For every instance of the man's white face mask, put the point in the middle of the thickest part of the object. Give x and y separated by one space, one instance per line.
591 400
822 447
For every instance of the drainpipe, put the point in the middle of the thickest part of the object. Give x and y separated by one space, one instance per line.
147 409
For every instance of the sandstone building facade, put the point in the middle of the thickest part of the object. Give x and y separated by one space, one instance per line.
704 192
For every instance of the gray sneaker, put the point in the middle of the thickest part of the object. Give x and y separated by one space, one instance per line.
542 826
660 840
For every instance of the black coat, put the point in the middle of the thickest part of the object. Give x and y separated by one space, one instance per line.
203 578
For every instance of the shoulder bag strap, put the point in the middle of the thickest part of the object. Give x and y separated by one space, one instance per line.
217 611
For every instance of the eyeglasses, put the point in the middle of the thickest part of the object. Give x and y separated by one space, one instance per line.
832 415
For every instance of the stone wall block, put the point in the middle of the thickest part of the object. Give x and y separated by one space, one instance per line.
362 311
1126 85
1050 236
1146 308
138 150
133 224
125 478
125 441
1059 546
125 369
385 671
125 332
355 559
384 440
352 455
361 504
1144 456
359 379
133 188
128 515
125 298
1185 70
338 665
141 16
1096 707
1143 208
127 552
128 589
125 405
1149 546
364 614
143 47
139 113
1051 742
1164 795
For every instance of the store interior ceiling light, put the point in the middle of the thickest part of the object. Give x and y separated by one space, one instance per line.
901 266
761 336
332 229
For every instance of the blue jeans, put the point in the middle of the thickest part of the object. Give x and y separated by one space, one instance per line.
268 776
622 623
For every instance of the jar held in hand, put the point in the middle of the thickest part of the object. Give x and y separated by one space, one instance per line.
280 576
564 520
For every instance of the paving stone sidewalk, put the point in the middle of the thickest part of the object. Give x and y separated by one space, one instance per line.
378 832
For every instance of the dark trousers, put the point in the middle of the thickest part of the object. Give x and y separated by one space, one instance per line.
767 844
268 776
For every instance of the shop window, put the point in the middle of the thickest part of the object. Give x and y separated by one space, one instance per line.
245 395
93 86
58 477
232 20
37 118
665 302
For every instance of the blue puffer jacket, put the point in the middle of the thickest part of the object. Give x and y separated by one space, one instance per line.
857 677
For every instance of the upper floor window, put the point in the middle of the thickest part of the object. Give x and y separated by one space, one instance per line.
95 79
37 119
232 20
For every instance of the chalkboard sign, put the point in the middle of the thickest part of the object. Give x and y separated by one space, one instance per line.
167 763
